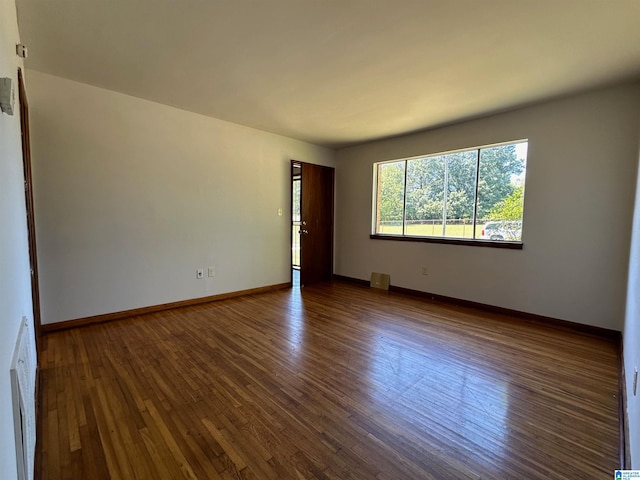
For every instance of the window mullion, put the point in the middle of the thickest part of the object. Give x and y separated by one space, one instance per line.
445 196
475 200
404 198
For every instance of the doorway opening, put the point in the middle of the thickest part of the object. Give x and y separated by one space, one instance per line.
312 188
296 182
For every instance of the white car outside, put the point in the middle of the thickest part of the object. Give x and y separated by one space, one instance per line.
502 230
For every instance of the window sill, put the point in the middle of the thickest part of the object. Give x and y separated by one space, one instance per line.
452 241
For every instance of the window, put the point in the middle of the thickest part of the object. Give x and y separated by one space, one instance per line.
473 194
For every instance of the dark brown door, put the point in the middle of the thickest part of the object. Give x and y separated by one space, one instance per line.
316 229
28 185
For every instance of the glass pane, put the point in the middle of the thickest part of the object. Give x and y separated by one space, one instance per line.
425 193
460 188
501 192
295 223
429 181
295 214
390 198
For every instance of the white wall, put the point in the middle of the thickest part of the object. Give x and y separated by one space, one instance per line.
578 207
631 333
15 286
132 196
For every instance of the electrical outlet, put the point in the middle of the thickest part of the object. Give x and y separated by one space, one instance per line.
200 273
211 272
425 271
635 381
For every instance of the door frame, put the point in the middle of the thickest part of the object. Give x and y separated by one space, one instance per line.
28 193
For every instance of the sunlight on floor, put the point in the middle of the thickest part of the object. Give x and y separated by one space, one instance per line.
471 404
296 317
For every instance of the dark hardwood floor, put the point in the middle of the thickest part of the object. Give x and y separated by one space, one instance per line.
331 381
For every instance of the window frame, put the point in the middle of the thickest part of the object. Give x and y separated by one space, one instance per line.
509 244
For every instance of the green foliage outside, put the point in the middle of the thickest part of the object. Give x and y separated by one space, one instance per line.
510 208
509 214
497 167
391 191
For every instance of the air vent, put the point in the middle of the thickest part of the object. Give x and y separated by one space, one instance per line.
380 280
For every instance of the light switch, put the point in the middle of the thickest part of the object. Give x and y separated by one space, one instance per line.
7 96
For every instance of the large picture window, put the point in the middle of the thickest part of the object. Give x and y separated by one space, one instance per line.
472 194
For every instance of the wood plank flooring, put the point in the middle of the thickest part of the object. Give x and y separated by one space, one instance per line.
333 381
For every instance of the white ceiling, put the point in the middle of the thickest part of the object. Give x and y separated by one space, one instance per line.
336 72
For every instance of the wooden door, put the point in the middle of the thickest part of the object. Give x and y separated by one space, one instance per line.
316 229
28 186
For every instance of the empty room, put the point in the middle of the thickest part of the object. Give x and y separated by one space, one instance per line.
306 239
